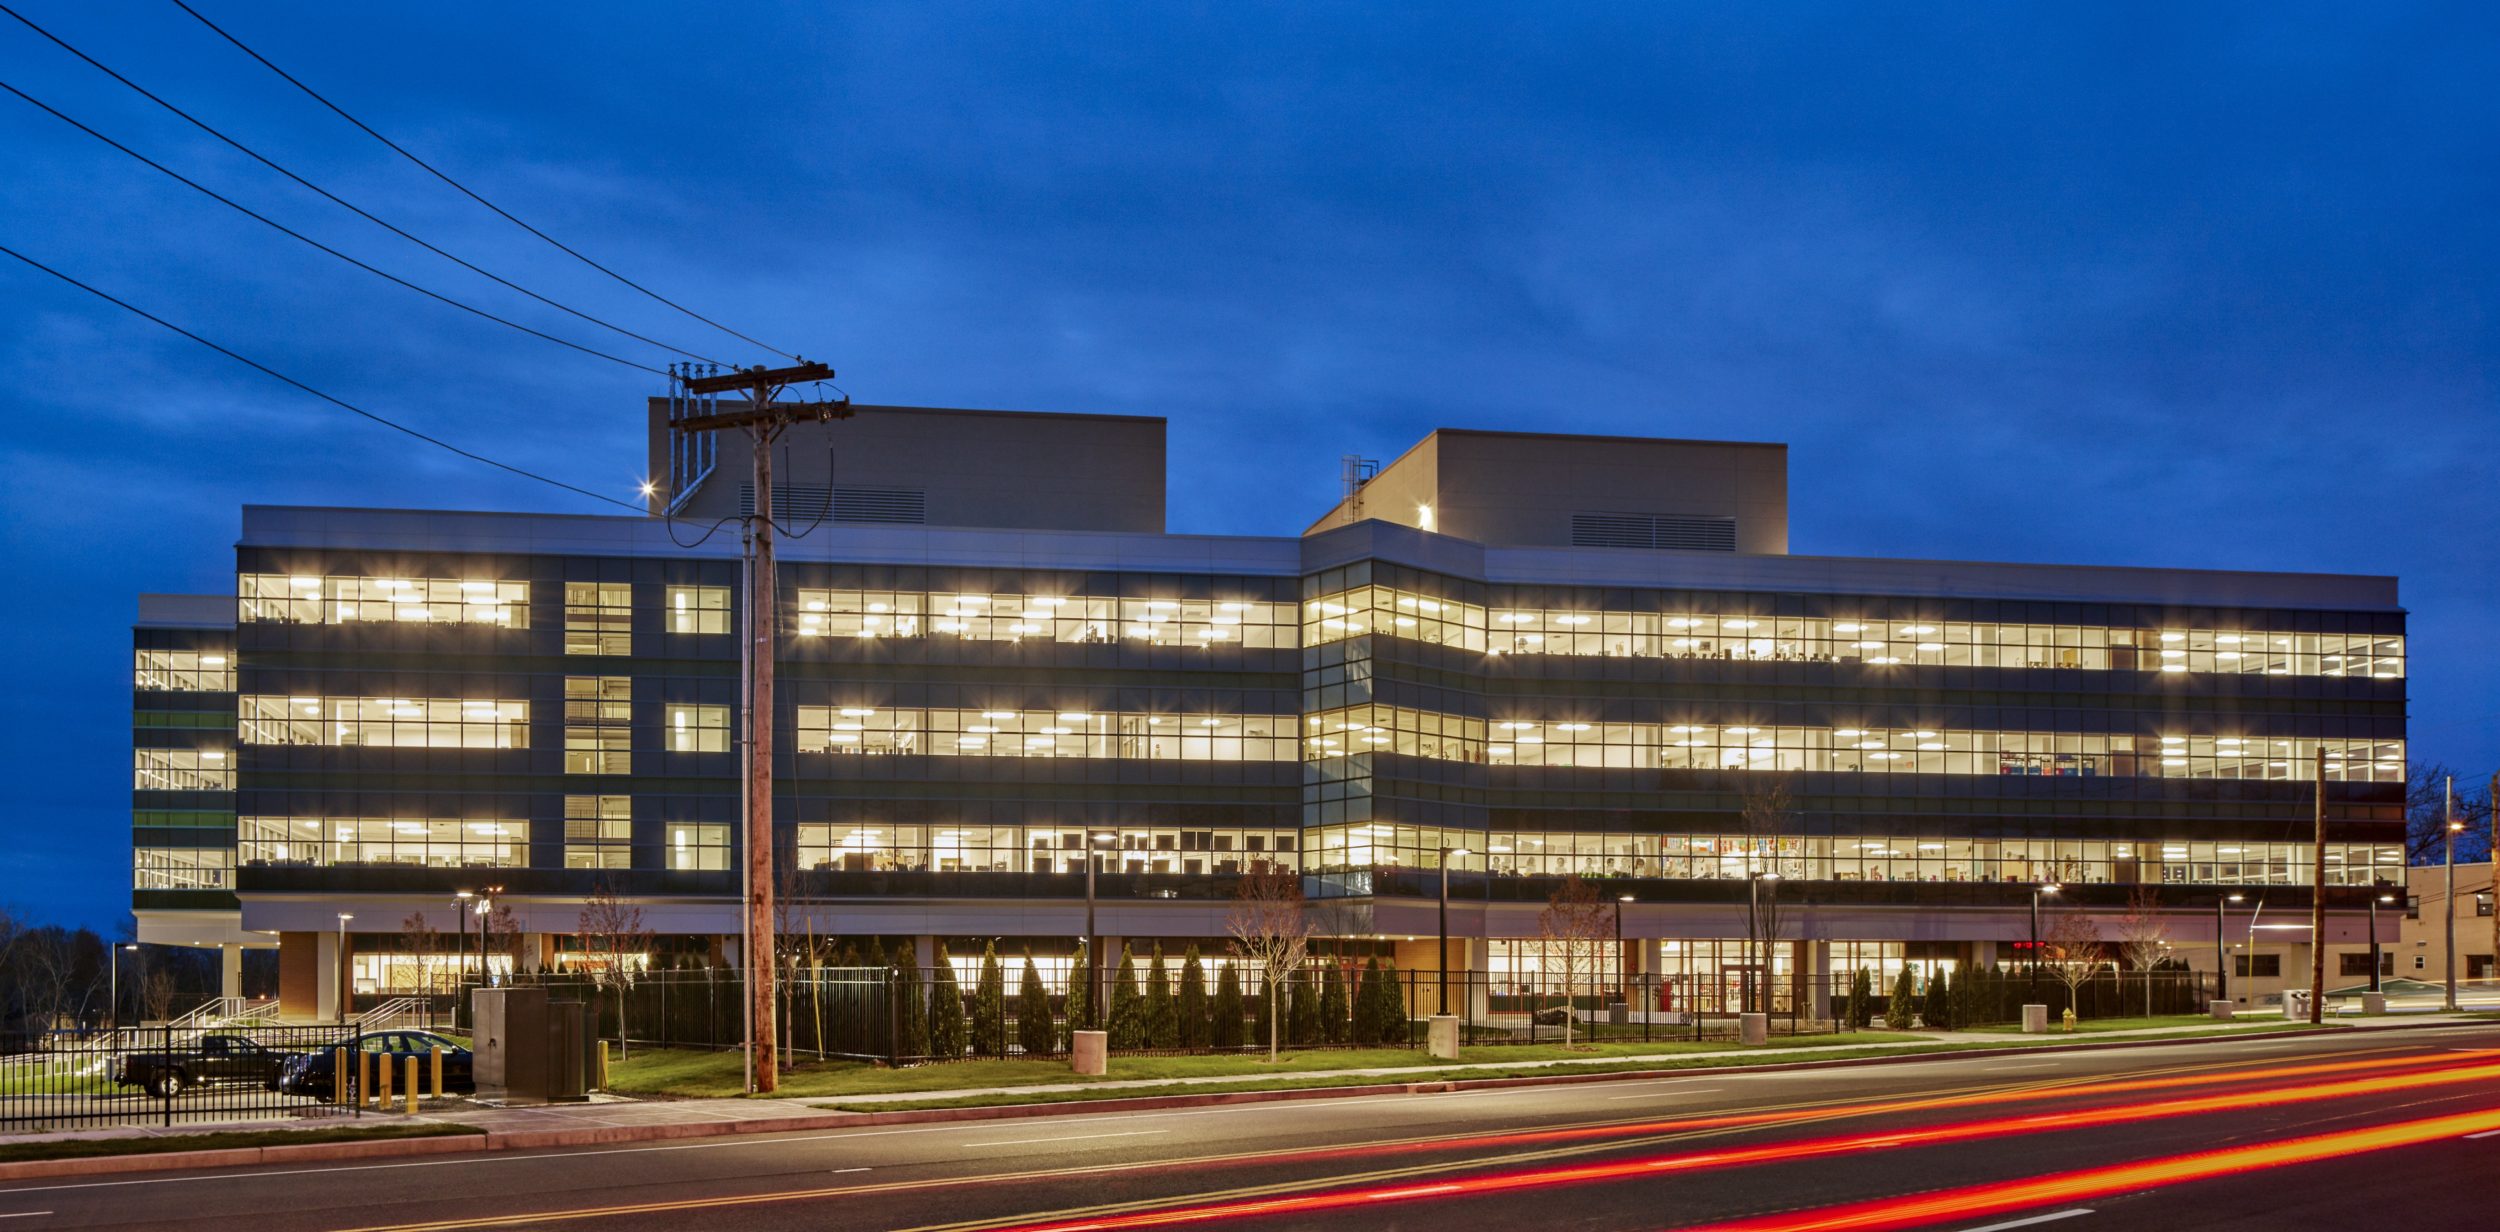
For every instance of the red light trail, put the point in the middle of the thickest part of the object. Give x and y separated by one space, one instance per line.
2007 1196
1736 1157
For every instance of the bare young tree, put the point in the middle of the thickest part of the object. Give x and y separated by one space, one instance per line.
423 947
498 932
2072 950
156 994
2144 936
1768 813
615 945
1271 933
1574 925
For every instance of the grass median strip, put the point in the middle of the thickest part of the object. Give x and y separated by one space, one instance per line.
685 1073
87 1148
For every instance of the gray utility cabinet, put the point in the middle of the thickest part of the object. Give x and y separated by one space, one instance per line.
529 1049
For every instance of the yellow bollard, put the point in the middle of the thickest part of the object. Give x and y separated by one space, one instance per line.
603 1065
438 1071
412 1086
338 1076
382 1089
364 1077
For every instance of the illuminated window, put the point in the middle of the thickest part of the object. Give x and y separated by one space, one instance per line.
1045 733
598 832
430 842
385 722
694 848
697 729
182 770
598 618
182 868
698 609
185 671
311 600
598 725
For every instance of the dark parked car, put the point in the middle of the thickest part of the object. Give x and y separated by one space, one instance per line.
309 1074
214 1060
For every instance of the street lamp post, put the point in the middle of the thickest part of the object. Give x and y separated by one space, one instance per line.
2450 909
2222 949
1448 854
113 1006
1623 963
343 971
1093 986
2036 892
460 970
2375 900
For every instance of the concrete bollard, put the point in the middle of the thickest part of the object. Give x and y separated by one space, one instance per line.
1441 1036
338 1077
2223 1011
382 1085
2035 1020
364 1077
603 1065
1753 1028
413 1088
2374 1003
1089 1053
438 1071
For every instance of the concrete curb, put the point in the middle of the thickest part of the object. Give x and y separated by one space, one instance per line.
609 1135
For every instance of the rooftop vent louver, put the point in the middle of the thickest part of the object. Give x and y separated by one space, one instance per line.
801 503
1678 531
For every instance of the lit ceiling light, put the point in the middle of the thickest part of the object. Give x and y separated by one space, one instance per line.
986 731
877 607
1931 647
1074 716
1682 622
1742 624
305 583
2174 667
1210 722
1924 735
1575 726
1848 628
1849 731
1866 645
1885 659
2228 639
2174 637
1917 630
1931 746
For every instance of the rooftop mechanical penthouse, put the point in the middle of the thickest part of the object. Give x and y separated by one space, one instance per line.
1554 654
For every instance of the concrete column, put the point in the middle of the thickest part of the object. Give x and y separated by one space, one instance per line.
229 970
327 967
924 951
1983 953
1818 968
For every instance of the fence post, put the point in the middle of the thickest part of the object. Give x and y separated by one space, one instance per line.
168 1050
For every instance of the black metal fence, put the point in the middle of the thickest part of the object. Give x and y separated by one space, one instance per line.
159 1076
1994 996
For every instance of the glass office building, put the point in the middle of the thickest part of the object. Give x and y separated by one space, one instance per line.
1552 654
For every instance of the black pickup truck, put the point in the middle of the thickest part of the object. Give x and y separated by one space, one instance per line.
210 1060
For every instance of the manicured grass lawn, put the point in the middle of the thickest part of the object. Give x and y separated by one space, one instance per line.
83 1148
687 1073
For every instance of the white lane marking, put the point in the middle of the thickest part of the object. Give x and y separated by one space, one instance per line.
2488 1133
1663 1094
1134 1133
840 1171
2051 1217
22 1214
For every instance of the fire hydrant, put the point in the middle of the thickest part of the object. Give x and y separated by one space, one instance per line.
2070 1022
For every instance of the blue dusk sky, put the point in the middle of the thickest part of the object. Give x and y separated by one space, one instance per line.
2205 286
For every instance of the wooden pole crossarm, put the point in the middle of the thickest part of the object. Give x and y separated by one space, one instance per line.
749 378
769 413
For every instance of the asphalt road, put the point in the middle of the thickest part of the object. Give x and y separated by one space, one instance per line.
2330 1132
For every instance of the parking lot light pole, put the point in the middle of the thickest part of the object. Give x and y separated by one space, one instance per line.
344 917
1093 986
2036 892
460 969
1447 854
2375 900
113 1006
1623 965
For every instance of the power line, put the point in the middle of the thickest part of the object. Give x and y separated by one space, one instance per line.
342 202
341 403
283 228
464 189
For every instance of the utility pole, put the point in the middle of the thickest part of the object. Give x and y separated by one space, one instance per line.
2317 904
763 419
